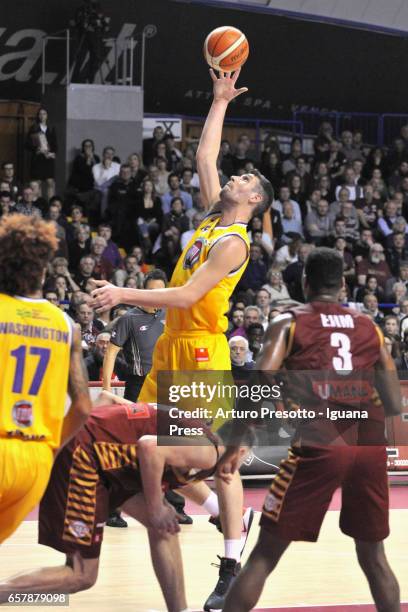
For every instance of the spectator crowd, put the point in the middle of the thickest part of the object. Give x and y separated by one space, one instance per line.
119 219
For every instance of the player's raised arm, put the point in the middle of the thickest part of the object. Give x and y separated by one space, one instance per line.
224 91
227 255
78 391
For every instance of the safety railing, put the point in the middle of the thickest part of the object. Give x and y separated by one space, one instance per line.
367 123
262 128
390 127
377 129
118 61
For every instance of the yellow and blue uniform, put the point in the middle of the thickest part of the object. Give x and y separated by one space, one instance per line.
35 347
194 338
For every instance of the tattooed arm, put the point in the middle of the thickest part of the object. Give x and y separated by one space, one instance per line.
78 391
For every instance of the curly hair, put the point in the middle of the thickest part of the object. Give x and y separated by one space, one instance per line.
27 245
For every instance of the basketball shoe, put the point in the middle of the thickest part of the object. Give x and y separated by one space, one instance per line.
228 568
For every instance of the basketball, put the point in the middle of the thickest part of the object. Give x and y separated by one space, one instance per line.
226 49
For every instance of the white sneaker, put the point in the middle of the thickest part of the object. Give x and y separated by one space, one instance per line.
247 519
282 433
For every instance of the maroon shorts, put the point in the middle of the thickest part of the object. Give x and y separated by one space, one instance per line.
78 500
300 494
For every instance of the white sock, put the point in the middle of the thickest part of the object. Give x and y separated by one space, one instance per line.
232 549
211 504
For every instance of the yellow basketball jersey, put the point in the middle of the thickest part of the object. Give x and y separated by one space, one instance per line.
209 313
35 346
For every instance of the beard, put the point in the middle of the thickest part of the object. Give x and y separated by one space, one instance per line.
375 259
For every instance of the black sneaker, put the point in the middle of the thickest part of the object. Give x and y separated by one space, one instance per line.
115 520
215 520
229 569
184 519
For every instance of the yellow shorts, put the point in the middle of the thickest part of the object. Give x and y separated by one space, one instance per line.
25 469
185 351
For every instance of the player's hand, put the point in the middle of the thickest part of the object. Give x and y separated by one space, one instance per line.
165 519
228 464
224 85
106 296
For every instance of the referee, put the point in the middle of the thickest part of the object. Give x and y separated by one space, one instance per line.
136 332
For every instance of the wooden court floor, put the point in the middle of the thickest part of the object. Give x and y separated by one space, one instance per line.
319 574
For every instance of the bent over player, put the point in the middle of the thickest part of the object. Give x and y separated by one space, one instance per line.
40 354
326 454
115 460
205 276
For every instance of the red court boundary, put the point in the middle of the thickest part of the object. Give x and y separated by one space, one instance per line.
328 608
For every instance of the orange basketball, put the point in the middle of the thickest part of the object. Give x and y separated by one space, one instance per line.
226 49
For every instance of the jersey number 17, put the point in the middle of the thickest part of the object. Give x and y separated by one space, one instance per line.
20 355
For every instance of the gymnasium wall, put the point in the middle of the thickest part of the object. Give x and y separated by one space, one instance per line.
291 62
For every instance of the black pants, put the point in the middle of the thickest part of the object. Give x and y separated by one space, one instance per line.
133 387
177 501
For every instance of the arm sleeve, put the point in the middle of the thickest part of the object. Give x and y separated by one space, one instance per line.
121 331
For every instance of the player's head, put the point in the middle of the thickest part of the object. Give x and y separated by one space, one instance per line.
323 273
27 245
251 189
246 441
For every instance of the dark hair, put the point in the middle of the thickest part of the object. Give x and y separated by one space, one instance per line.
7 163
37 116
54 199
54 285
27 245
125 165
369 277
5 194
76 206
175 199
255 326
324 270
251 222
84 142
171 175
266 191
225 432
242 296
154 275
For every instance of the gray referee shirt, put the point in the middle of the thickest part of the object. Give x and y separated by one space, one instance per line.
137 332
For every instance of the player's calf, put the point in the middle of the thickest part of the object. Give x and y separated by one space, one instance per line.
383 583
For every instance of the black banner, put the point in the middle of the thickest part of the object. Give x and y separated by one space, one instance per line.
291 63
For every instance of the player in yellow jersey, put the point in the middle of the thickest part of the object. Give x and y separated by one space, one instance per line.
204 278
41 355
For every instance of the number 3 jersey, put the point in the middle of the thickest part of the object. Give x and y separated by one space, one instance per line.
35 346
332 351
